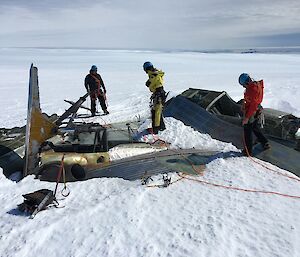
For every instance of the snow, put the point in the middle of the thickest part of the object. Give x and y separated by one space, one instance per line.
185 137
62 72
297 135
114 217
121 152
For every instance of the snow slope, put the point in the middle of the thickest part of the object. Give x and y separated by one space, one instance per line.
114 217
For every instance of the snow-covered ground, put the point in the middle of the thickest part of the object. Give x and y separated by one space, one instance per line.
114 217
62 72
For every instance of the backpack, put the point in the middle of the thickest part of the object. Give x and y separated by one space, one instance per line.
37 201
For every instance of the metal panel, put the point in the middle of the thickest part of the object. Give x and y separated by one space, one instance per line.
195 116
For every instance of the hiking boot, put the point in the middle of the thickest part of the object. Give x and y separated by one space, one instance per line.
150 130
162 128
106 112
266 146
93 114
255 142
244 153
155 131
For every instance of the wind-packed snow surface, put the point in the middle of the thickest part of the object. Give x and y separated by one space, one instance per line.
62 73
114 217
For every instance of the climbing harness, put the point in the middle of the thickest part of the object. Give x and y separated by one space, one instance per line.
146 179
166 181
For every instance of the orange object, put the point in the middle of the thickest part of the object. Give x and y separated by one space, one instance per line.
253 97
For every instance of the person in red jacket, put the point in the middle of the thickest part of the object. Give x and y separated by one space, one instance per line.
95 86
252 109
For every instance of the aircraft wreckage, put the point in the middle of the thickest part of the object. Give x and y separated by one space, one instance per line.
83 148
216 114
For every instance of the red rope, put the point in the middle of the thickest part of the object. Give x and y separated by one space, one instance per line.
59 173
227 187
239 189
261 164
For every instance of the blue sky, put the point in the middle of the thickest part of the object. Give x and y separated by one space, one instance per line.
165 24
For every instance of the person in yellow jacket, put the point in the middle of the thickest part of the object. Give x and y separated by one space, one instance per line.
158 97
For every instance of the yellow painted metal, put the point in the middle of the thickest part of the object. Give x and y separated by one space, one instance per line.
83 159
39 127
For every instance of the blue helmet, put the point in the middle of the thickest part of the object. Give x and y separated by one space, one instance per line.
244 78
94 68
147 65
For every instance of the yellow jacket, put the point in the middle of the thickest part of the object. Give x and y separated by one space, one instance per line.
156 79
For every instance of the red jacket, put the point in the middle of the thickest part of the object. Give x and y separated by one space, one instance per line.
253 97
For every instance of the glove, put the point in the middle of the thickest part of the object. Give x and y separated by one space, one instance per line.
245 121
148 83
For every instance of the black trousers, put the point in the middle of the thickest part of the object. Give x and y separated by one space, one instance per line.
251 128
102 103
